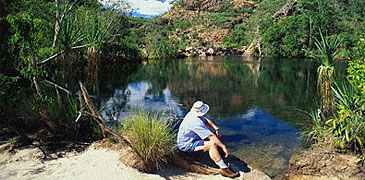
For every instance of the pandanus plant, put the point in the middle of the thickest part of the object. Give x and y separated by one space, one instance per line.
326 54
96 30
69 39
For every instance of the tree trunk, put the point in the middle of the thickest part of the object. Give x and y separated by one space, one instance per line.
51 125
57 23
34 64
93 65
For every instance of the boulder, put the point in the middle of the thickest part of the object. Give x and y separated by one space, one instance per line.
188 48
202 54
210 51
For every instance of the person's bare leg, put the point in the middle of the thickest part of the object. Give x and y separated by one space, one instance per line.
213 151
217 158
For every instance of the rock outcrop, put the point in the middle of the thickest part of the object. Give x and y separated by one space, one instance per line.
204 5
204 31
287 10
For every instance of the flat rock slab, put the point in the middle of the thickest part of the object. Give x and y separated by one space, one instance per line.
236 164
254 174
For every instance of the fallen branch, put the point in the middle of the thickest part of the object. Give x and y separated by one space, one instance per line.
58 86
59 53
50 58
99 119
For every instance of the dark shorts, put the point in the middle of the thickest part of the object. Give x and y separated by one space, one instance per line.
196 144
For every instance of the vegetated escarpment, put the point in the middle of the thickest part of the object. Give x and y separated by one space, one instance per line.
203 28
286 28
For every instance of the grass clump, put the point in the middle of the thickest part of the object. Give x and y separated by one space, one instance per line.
318 133
150 134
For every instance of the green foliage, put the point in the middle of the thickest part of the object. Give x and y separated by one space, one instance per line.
70 33
97 29
318 133
7 87
130 48
326 54
113 140
151 136
29 35
323 13
159 45
356 69
14 141
327 50
240 36
288 37
349 126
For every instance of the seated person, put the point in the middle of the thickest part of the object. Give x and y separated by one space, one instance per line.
194 135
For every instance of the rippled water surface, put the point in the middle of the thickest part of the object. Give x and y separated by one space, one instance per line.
256 103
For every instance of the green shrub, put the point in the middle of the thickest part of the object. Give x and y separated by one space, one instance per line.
288 37
151 136
6 91
349 125
159 45
240 36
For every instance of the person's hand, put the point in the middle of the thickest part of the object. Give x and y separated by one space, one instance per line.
218 133
226 152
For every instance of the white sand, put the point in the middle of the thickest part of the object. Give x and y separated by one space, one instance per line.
91 164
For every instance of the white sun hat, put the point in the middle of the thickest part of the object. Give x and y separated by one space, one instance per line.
199 108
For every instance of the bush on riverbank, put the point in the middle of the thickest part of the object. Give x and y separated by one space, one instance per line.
39 63
346 127
150 134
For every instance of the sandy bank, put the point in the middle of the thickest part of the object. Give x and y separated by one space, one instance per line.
90 164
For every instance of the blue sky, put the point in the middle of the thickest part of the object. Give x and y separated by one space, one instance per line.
149 8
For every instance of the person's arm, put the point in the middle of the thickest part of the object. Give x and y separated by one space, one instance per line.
219 143
215 127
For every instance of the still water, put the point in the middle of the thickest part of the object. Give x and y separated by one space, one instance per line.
256 103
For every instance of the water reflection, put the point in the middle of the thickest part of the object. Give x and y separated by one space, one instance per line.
138 95
262 140
255 102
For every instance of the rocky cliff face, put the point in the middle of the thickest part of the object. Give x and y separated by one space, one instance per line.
205 5
204 24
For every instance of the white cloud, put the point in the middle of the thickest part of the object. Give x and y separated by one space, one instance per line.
150 7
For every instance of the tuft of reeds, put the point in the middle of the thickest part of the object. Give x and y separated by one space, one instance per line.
150 134
318 133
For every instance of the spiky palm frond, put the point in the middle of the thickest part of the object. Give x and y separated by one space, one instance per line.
327 49
96 30
70 33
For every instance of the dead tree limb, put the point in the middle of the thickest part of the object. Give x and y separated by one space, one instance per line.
58 86
99 119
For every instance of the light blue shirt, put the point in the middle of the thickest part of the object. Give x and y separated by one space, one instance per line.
191 129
